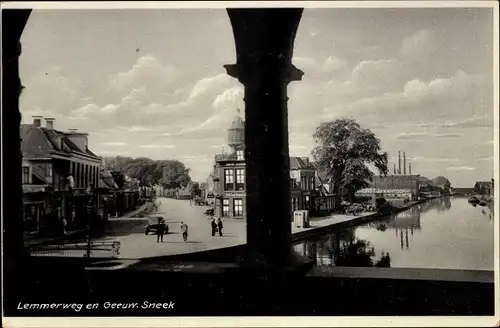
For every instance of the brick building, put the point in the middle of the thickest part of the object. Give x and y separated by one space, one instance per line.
228 177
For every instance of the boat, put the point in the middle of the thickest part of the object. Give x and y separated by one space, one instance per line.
473 199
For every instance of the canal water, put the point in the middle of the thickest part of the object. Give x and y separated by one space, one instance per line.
443 233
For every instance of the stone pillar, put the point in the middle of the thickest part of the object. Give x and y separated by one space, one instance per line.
13 23
264 45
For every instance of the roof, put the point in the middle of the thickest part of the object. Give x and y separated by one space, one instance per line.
39 171
237 124
300 163
40 142
107 180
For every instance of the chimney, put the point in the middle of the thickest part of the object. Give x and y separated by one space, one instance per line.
404 163
409 168
399 161
395 173
37 121
50 122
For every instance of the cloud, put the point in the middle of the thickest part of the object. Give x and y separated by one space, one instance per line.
412 136
425 135
474 122
157 146
230 99
112 153
418 47
461 168
113 143
147 69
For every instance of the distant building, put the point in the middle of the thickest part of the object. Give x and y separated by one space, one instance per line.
404 183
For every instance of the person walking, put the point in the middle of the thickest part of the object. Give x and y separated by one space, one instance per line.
214 227
219 226
160 231
184 229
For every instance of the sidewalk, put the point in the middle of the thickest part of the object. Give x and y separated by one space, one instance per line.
30 241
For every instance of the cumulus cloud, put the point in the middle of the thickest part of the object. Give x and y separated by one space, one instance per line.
147 68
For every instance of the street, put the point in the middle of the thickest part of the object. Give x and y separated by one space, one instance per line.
138 245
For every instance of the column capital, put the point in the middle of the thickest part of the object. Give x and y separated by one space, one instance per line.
243 72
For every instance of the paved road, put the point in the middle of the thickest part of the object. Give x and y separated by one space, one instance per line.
138 245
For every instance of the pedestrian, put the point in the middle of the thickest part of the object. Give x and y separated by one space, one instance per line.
160 230
214 227
184 229
64 223
219 226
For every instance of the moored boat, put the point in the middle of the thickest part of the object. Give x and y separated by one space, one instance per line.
473 199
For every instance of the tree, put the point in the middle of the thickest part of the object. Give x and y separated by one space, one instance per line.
343 151
195 189
168 173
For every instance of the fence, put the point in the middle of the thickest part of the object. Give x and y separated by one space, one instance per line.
105 249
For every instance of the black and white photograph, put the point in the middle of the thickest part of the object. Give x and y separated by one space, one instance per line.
231 164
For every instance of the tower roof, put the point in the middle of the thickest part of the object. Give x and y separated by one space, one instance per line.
237 122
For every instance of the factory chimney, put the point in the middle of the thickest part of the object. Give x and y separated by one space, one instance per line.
404 163
399 162
395 173
409 168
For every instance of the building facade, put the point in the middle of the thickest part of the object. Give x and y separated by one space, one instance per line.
406 183
228 180
64 163
229 175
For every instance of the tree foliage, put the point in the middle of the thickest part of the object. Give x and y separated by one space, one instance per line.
195 189
343 151
168 173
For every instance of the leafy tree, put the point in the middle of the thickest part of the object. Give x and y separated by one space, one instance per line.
343 151
168 173
195 189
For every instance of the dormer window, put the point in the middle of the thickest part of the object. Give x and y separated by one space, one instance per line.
240 155
49 170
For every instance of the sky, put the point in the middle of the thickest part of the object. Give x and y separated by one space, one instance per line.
151 82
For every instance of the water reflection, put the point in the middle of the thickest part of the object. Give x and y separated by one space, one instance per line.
434 234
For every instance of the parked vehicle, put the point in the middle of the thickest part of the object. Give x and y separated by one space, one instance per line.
210 212
154 223
199 201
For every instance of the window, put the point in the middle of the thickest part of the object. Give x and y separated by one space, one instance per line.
225 207
26 175
49 170
240 179
240 155
229 179
313 182
238 207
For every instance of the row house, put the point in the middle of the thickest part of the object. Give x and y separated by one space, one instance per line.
62 161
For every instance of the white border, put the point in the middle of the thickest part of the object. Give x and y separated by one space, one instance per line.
422 321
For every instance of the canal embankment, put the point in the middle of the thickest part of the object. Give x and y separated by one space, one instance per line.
337 222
